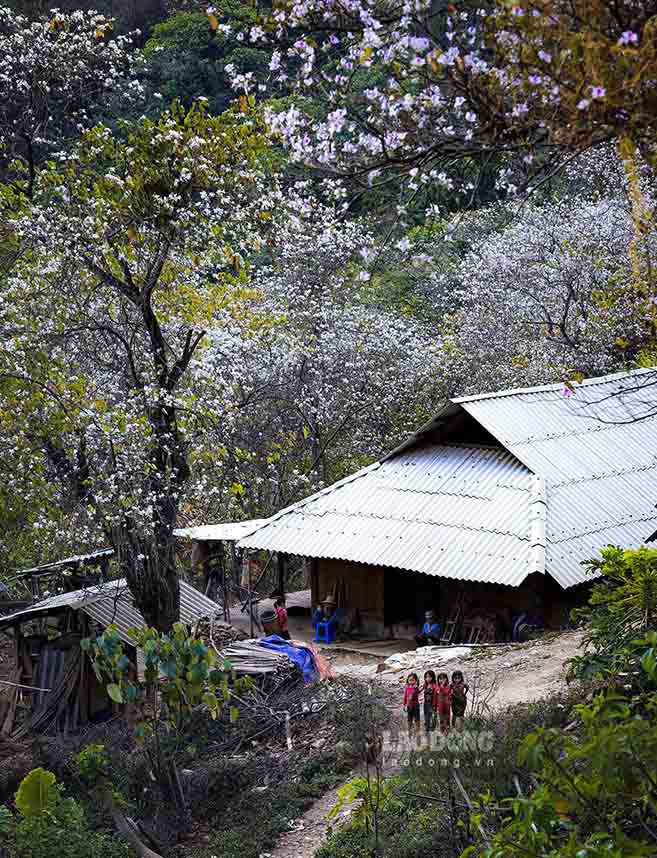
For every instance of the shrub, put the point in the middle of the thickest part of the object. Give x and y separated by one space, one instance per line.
422 811
596 793
51 825
622 607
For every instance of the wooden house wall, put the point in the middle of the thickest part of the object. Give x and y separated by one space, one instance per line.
394 600
357 586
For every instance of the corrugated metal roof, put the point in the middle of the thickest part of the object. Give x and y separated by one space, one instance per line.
229 531
77 560
475 513
596 448
450 510
112 602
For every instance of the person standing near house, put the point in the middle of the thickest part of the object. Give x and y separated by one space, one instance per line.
281 616
412 703
430 633
430 701
459 699
444 699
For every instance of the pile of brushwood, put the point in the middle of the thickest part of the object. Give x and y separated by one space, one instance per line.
572 776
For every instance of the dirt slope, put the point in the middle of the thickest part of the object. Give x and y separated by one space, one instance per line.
499 676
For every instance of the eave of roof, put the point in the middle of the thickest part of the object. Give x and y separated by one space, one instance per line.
461 511
78 560
229 531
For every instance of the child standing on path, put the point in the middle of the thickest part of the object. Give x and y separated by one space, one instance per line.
459 699
444 701
412 703
429 691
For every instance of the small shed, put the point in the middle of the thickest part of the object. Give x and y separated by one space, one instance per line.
52 678
71 573
209 544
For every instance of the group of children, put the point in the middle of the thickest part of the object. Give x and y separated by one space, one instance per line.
444 701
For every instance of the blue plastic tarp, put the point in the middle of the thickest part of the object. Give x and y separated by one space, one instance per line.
301 656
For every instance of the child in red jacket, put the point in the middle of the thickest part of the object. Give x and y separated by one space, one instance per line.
444 702
412 702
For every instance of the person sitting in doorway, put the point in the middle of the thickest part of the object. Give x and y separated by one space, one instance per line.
430 633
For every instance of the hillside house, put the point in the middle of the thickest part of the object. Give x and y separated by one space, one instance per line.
489 509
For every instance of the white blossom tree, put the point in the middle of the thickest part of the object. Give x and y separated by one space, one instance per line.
329 383
548 297
57 74
135 250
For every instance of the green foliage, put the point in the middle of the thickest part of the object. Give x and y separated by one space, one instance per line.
93 762
51 825
5 819
370 796
37 793
423 812
622 606
186 671
596 792
187 59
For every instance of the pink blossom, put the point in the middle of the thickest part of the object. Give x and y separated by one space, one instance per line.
628 38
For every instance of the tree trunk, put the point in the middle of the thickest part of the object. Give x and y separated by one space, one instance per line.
152 576
125 829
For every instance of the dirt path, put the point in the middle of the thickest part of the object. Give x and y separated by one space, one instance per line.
504 675
309 831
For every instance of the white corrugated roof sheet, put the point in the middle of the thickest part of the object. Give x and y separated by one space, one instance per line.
442 509
112 602
596 448
578 471
228 531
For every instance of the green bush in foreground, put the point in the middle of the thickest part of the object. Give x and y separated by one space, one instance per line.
596 792
51 825
622 608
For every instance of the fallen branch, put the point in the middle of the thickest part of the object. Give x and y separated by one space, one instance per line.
125 828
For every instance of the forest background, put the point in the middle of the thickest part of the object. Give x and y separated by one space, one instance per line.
218 295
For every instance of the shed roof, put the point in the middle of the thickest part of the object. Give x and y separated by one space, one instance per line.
228 531
112 602
576 471
92 558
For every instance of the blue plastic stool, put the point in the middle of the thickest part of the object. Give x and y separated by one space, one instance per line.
326 630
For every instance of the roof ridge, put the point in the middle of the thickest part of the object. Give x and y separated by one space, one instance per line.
587 382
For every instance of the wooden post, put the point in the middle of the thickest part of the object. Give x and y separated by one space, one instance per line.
225 596
315 595
250 586
280 565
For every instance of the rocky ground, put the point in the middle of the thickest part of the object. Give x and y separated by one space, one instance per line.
499 675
